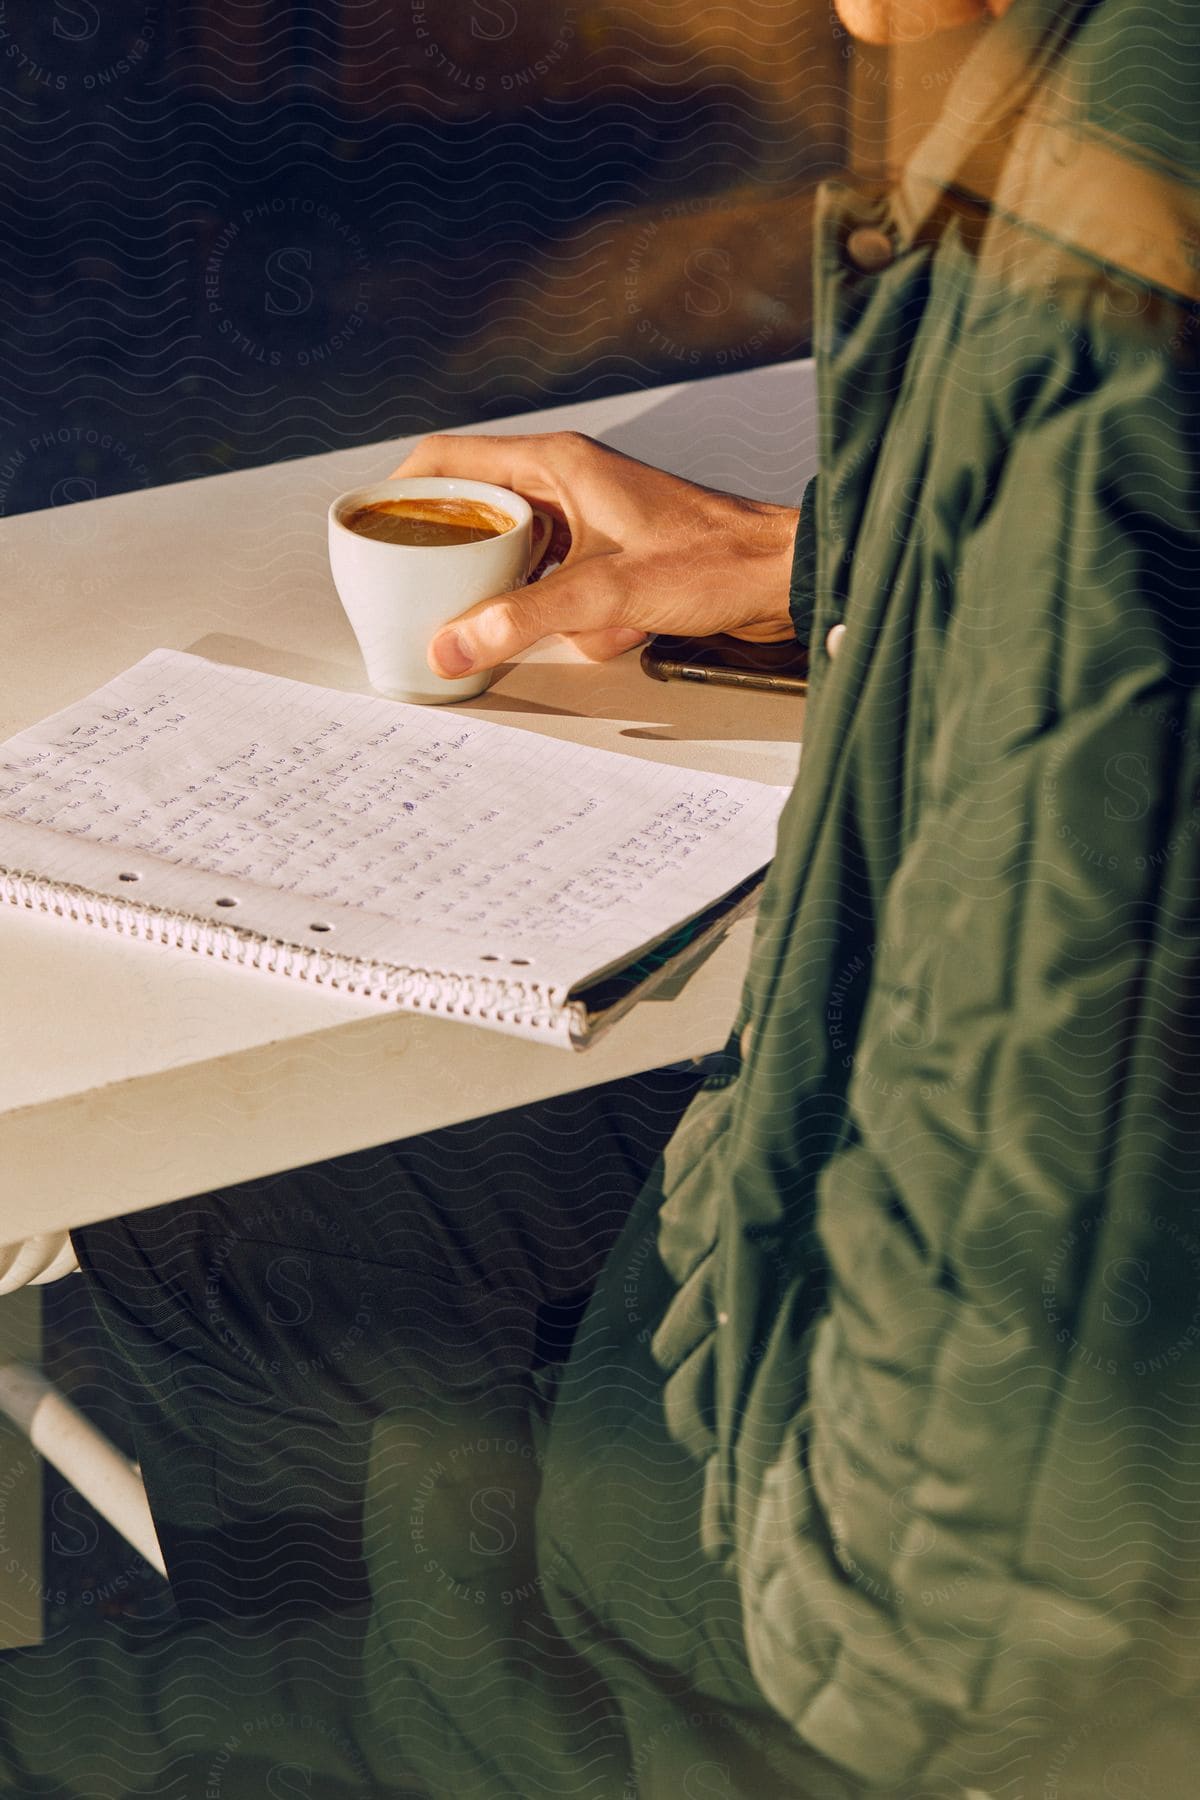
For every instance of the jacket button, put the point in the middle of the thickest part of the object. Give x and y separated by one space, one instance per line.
833 640
870 249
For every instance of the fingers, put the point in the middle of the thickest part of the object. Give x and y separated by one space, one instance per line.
583 600
533 466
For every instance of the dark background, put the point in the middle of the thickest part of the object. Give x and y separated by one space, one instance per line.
239 232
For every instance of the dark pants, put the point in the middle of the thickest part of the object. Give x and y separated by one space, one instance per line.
270 1324
337 1376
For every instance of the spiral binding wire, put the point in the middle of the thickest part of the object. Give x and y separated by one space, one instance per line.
517 1003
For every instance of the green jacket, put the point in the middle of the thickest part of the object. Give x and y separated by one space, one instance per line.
879 1449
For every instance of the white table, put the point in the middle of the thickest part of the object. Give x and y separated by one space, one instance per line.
131 1075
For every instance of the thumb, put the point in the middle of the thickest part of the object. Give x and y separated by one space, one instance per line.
494 631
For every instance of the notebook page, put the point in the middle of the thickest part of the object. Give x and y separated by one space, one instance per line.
410 834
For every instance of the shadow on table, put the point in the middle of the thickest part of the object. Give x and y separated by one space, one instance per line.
274 659
643 708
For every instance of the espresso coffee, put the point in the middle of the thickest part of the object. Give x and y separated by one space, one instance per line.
427 523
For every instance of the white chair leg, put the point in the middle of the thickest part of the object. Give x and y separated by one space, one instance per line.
93 1466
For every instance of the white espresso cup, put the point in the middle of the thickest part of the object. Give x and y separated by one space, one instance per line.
398 596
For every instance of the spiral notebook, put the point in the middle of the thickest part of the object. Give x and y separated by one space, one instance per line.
415 856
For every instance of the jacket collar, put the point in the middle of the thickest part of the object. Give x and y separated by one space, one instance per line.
1012 141
967 147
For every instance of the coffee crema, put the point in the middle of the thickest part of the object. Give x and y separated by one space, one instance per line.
428 523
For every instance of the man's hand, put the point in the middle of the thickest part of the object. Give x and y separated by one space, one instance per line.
649 552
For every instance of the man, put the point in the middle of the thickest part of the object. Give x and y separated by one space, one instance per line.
872 1464
901 1435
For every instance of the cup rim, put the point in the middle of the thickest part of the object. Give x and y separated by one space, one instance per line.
431 487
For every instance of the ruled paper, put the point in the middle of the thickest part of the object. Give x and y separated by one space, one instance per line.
432 826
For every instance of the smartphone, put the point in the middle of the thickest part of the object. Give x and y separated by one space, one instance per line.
729 662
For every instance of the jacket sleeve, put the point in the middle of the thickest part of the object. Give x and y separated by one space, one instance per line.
987 1515
802 593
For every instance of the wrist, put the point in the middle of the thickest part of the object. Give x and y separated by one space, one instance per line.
768 569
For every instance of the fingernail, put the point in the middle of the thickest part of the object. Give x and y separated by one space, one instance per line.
451 654
625 640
